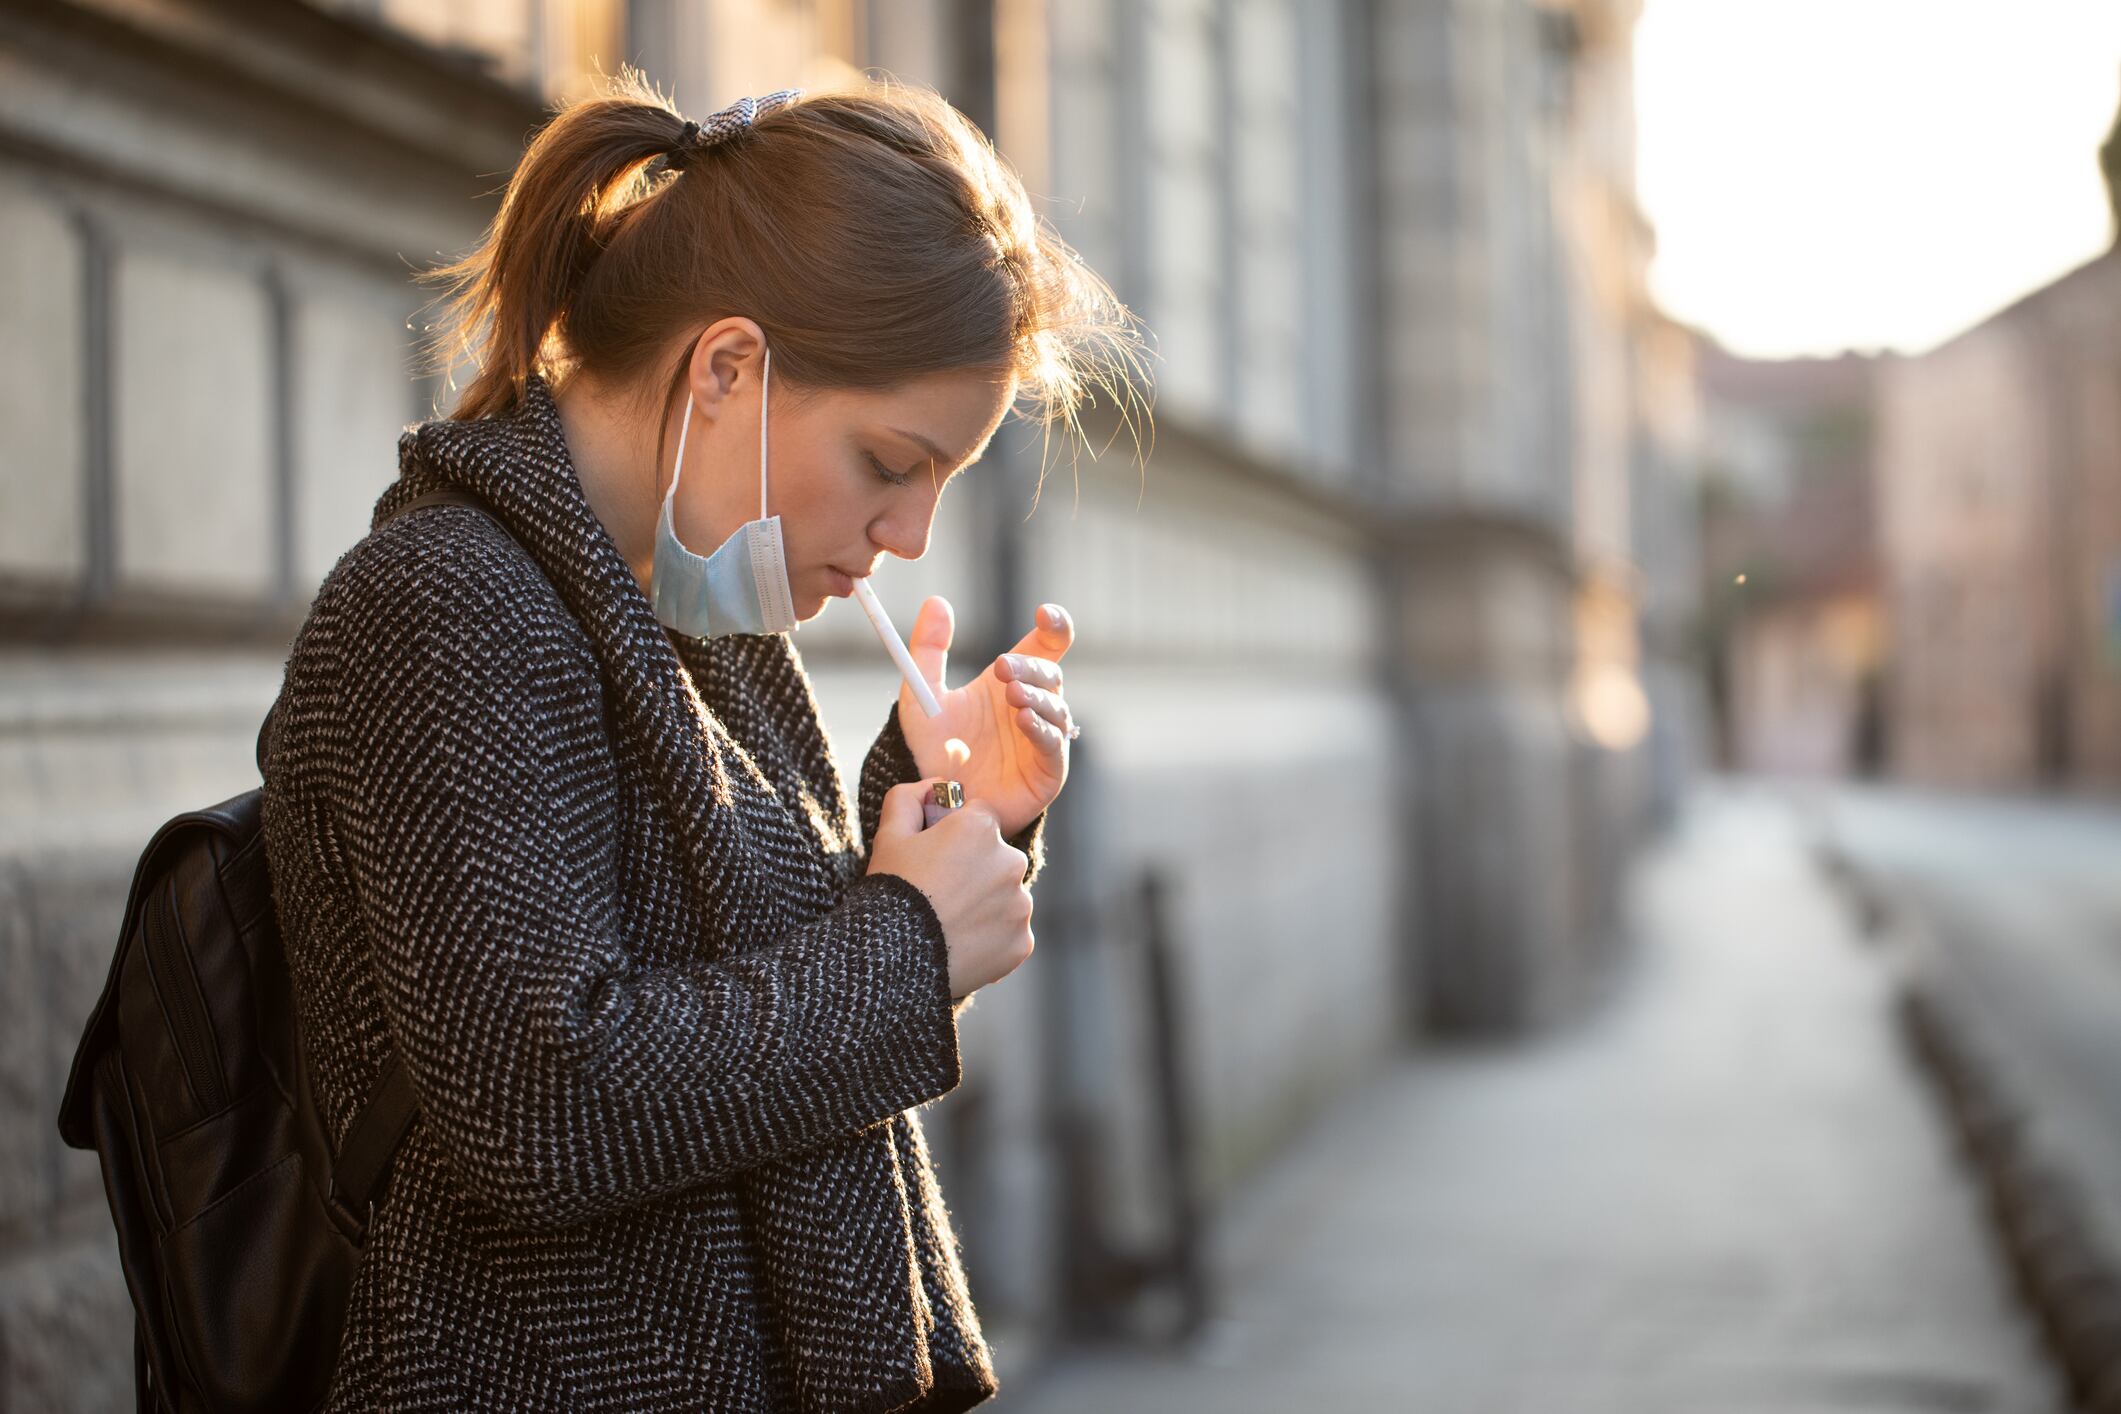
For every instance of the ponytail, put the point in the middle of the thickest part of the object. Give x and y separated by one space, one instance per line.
503 301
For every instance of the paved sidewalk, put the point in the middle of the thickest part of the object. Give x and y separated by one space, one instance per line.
1727 1191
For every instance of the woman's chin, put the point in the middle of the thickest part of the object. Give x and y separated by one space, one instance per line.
813 590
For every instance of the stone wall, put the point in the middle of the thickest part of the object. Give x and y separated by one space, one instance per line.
95 751
205 361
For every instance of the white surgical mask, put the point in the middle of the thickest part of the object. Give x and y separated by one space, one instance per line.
743 586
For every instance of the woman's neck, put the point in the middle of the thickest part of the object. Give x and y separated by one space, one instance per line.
613 450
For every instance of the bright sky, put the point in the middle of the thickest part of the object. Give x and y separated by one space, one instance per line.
1825 174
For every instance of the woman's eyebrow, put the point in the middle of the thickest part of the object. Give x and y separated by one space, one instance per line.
929 447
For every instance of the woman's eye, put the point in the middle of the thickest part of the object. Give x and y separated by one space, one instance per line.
895 478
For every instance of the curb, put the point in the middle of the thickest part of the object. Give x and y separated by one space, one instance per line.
2065 1273
2063 1270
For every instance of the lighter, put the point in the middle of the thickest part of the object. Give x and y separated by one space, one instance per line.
946 797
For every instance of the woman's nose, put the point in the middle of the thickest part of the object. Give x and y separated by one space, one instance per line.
905 532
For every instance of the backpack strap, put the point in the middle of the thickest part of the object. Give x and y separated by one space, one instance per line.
364 1158
452 496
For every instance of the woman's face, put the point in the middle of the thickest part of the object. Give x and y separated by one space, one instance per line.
853 474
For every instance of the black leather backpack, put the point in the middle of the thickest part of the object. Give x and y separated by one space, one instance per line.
238 1229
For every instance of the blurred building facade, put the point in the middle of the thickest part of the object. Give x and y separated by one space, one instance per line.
2000 523
1385 659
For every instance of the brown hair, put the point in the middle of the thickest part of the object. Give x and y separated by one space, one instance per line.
875 236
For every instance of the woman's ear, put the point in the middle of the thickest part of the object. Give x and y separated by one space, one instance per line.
726 353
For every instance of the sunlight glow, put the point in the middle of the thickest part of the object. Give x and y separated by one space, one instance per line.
1825 174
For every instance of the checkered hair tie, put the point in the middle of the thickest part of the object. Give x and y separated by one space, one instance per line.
696 138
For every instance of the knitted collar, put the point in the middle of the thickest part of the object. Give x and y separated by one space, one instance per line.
740 862
520 466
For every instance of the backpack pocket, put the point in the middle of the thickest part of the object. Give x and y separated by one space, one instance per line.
163 1016
258 1283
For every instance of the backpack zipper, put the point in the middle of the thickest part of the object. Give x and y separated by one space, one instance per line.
185 1007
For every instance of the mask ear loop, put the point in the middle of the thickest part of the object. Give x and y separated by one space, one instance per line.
678 469
765 387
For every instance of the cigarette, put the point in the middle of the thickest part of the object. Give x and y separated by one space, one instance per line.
896 647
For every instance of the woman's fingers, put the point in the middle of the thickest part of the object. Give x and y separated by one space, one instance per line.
1022 667
1032 674
1049 705
1044 735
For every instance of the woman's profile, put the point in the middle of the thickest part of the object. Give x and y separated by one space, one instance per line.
549 812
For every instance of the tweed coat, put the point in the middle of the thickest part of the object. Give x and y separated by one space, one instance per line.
600 885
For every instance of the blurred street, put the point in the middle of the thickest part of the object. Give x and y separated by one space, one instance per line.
1726 1189
2020 902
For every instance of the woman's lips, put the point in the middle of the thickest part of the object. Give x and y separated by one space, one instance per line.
842 584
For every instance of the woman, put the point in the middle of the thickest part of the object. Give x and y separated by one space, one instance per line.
550 815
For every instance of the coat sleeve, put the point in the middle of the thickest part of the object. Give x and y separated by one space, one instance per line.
564 1073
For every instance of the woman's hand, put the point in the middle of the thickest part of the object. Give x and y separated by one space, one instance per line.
1012 717
972 877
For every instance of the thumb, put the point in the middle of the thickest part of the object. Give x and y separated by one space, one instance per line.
901 812
1051 636
933 629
